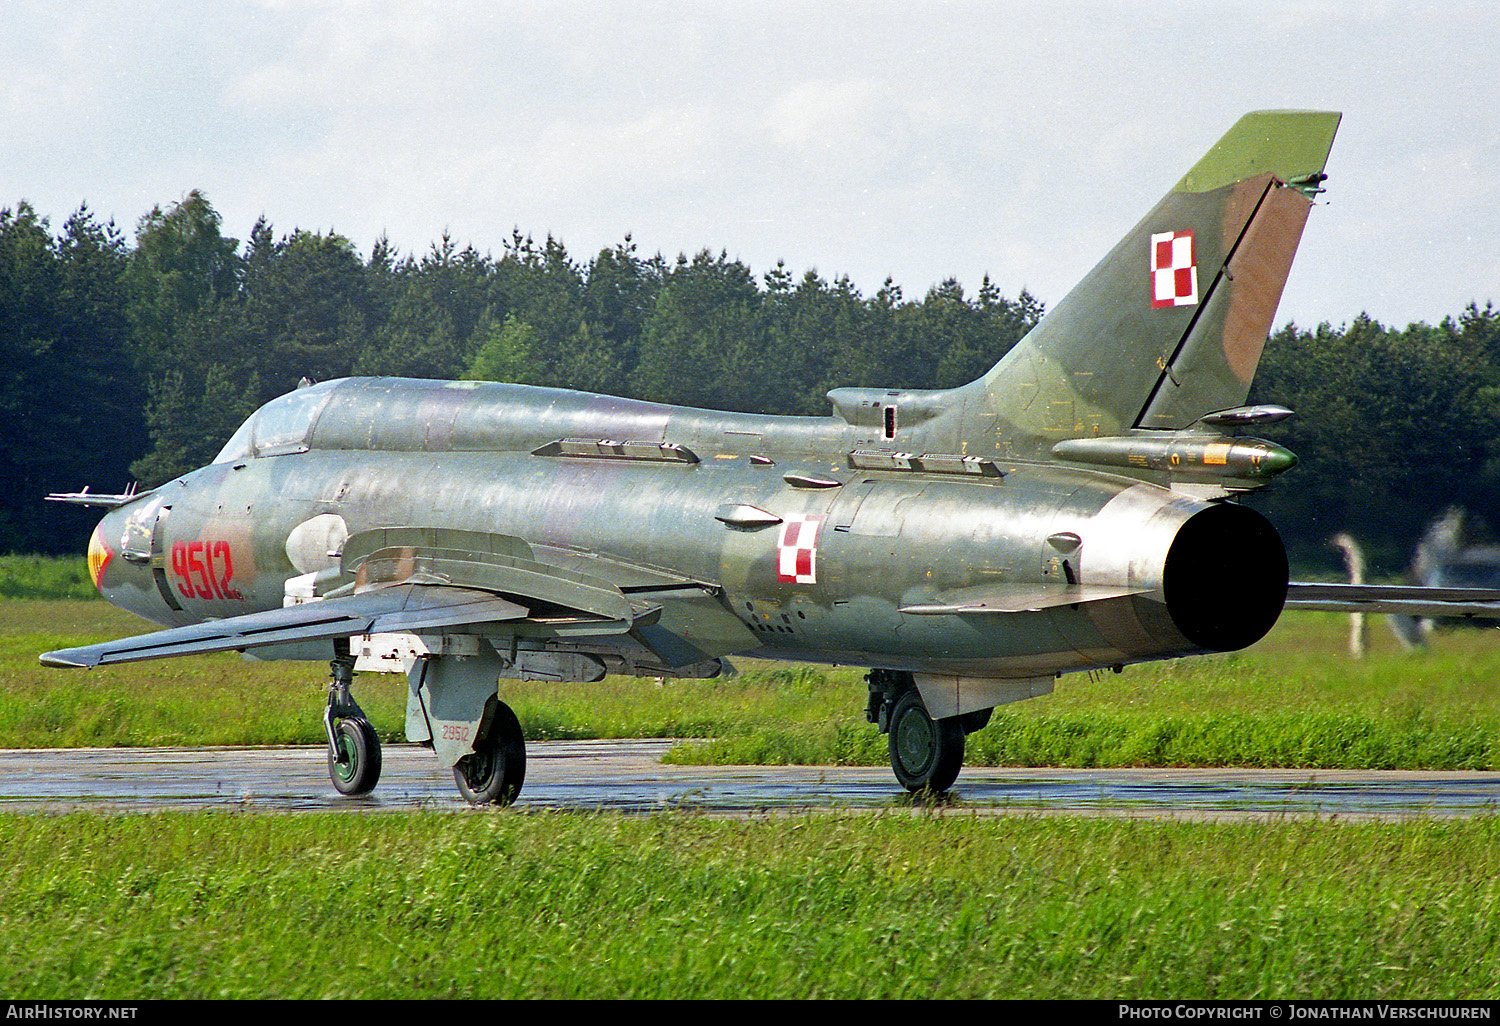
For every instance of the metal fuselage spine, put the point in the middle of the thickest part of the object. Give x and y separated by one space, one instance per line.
886 540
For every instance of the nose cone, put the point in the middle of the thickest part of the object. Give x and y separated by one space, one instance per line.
100 555
108 563
125 562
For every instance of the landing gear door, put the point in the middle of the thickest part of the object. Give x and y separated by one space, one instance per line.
447 701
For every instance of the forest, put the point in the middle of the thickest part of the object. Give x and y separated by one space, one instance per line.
132 358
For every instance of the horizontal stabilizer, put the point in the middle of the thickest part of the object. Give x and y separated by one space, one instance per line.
1402 599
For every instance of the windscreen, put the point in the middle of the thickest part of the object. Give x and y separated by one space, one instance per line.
282 425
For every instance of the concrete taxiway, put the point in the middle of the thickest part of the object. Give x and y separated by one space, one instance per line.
628 776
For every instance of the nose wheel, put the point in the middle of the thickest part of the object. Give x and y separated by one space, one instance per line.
353 745
354 760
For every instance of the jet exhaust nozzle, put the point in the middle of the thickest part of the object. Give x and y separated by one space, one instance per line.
1225 577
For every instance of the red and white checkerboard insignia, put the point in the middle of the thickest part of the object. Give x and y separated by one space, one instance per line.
1174 270
797 549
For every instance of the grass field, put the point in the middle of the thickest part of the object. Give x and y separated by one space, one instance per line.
45 577
509 904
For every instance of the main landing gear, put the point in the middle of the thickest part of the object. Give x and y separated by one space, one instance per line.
926 754
494 772
353 745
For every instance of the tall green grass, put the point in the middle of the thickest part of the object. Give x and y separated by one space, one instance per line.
46 577
507 905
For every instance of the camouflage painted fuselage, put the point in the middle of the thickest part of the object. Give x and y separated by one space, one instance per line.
460 455
1063 512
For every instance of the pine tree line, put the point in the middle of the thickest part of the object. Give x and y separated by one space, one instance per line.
135 359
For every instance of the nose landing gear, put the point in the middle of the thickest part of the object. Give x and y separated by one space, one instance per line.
353 745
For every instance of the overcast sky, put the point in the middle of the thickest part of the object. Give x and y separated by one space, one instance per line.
915 140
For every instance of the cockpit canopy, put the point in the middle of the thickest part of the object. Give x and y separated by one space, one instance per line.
283 425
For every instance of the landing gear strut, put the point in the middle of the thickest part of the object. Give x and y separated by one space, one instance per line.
353 745
926 754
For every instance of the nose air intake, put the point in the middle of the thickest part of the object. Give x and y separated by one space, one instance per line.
1225 578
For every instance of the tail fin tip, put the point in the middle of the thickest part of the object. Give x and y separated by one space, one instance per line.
1291 144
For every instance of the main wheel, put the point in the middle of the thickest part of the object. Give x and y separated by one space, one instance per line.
493 774
925 753
356 768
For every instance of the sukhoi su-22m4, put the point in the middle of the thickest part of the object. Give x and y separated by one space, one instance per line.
1070 510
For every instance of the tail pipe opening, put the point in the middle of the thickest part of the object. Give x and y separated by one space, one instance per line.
1225 578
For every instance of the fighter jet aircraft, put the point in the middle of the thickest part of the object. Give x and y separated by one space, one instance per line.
1070 510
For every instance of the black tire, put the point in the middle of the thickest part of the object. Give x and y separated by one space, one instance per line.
494 773
356 770
926 754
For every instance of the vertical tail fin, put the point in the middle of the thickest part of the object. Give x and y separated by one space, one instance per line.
1170 325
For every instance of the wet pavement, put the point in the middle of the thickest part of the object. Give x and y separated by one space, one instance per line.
628 776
